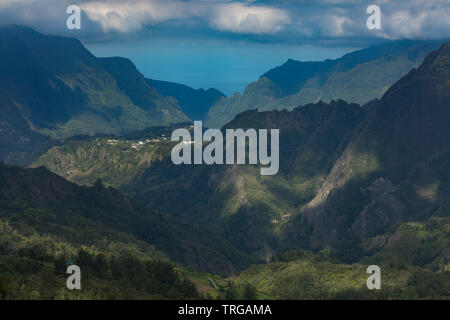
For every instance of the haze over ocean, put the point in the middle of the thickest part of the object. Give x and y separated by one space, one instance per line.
225 65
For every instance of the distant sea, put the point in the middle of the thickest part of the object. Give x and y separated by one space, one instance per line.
225 65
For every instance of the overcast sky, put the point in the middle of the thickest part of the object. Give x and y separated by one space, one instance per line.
229 31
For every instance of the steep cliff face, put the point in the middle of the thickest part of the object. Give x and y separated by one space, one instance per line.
16 137
405 129
357 77
236 200
61 89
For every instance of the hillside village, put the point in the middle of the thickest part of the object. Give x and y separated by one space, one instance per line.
136 145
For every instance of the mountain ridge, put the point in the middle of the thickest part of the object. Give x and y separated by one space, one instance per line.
357 186
404 129
357 77
61 89
40 189
195 103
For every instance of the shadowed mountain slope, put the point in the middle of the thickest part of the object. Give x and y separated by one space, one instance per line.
394 167
61 89
194 103
67 205
358 77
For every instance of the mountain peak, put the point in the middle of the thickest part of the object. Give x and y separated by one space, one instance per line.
438 62
63 89
17 28
403 130
434 72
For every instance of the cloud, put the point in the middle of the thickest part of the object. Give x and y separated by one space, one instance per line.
346 19
333 24
221 15
240 18
297 21
421 19
130 16
44 13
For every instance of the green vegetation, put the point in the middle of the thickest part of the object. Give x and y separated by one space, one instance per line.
33 274
36 243
303 275
16 137
391 170
58 206
62 90
357 185
423 244
358 77
115 161
250 209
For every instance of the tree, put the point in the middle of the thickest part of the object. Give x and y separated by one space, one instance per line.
3 288
249 292
230 292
